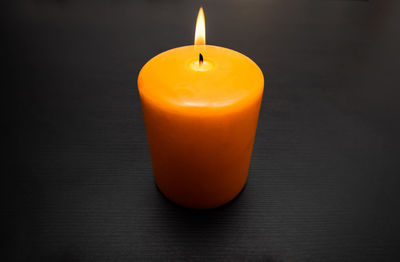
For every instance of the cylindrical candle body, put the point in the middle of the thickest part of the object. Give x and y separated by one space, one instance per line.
200 122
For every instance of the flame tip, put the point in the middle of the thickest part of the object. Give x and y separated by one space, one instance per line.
200 34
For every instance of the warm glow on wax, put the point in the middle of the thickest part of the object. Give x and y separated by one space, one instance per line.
200 34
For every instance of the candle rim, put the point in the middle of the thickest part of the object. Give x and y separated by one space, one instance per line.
173 103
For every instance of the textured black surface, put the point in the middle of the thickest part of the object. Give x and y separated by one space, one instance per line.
324 178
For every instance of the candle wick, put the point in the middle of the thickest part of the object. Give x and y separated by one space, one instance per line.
200 59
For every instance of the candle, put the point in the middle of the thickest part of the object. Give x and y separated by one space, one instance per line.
200 105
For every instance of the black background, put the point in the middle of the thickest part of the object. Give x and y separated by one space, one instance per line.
324 178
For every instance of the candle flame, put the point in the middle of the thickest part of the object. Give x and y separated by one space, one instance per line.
200 34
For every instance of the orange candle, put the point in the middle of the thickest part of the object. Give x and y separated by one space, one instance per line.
200 105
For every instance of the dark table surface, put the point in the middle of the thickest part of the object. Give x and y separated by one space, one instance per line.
324 179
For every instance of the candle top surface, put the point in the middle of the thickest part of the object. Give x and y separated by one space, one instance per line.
177 79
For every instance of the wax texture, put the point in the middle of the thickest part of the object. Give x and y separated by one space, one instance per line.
200 122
